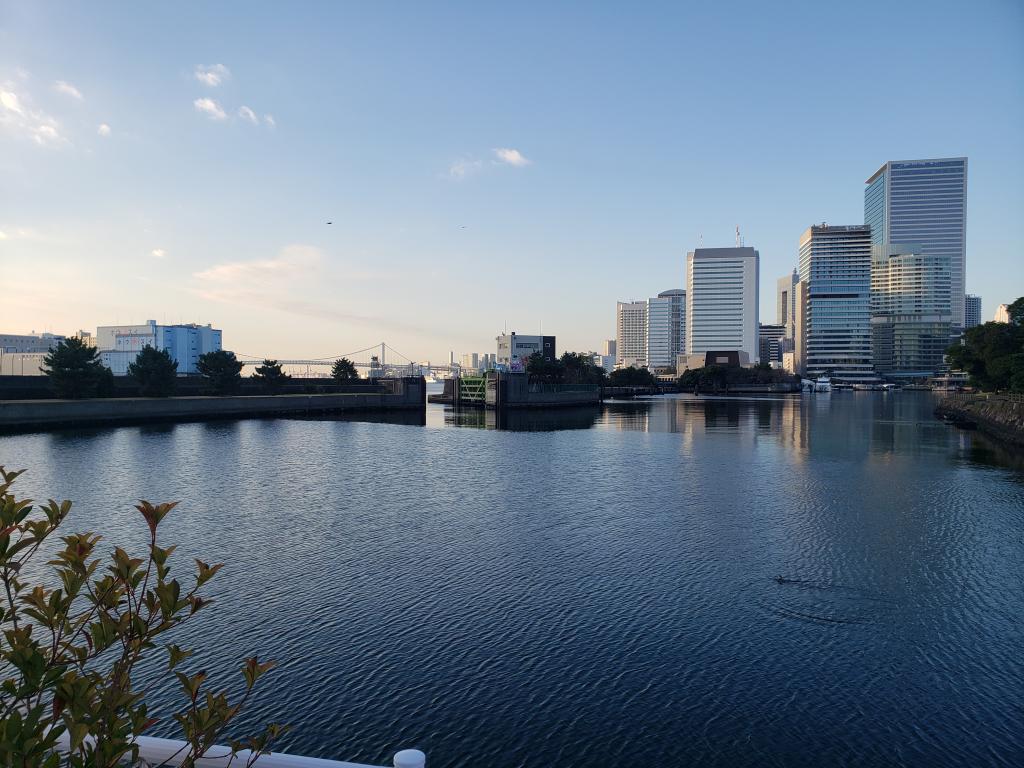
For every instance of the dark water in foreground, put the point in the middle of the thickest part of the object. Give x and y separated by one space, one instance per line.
600 595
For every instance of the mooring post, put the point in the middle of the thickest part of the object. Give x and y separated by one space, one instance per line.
410 758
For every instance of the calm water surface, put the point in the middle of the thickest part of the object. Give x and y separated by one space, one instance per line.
600 587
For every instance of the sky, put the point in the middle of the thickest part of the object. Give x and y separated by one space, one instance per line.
484 166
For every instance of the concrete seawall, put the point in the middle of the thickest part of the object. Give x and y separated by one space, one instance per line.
1000 416
20 415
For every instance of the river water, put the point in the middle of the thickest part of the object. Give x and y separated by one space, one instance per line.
799 581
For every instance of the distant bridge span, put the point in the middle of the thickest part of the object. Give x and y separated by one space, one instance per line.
371 357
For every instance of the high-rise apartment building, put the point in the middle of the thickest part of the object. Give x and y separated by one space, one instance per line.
666 328
631 334
834 321
910 310
972 310
722 301
608 348
924 202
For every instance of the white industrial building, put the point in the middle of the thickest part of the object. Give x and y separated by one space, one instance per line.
23 354
722 301
119 345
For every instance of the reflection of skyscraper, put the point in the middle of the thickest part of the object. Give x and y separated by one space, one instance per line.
924 202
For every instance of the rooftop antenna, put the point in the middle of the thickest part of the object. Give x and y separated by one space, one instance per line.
700 240
737 235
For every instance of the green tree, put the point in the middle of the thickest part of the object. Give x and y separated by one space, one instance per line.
155 371
271 376
344 370
73 638
992 354
632 377
579 368
222 371
74 369
542 369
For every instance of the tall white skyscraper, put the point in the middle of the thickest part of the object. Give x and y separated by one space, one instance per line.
924 202
722 301
631 334
835 287
666 328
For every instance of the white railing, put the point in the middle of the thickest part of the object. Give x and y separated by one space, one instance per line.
170 753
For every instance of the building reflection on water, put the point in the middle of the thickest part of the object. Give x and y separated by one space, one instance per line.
881 426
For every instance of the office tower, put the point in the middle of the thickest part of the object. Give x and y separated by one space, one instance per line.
630 334
722 301
608 350
924 202
972 311
666 328
785 306
835 328
910 310
769 340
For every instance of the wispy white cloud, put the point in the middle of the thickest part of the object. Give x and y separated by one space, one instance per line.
62 86
211 108
464 167
158 253
269 120
510 157
11 103
212 75
103 130
292 260
246 113
19 118
3 235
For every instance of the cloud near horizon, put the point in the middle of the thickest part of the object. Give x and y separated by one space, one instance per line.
103 130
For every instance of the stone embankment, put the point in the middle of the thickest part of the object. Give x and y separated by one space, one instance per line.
20 415
1001 416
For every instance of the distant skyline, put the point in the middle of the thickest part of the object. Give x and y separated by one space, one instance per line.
482 168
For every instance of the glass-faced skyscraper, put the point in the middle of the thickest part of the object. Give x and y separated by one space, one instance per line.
924 202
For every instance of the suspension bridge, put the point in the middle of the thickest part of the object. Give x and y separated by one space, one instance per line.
380 360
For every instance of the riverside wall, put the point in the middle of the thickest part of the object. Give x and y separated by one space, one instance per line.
19 415
1000 416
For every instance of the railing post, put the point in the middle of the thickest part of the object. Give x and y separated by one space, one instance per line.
410 758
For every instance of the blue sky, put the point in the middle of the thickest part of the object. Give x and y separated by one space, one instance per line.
483 165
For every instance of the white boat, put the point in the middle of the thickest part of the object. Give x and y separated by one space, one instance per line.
823 384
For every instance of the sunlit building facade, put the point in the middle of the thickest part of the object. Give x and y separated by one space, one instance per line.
666 328
924 202
910 310
722 301
835 319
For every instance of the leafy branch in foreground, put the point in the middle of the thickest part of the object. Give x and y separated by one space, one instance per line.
69 646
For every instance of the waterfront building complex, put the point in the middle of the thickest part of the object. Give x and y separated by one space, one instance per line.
119 345
722 301
514 350
833 311
924 202
910 310
23 355
631 334
649 334
972 311
666 328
